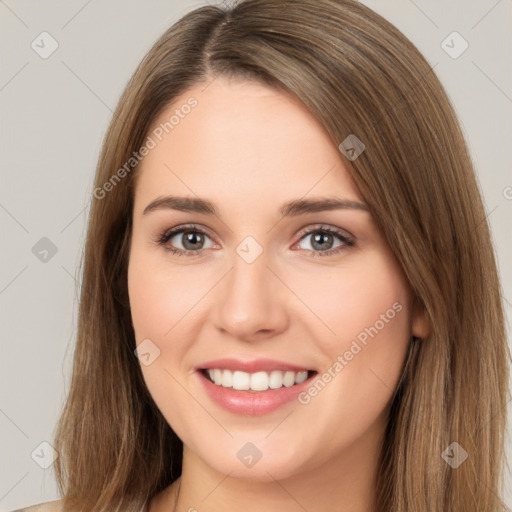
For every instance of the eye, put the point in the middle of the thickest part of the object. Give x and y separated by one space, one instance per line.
323 241
190 238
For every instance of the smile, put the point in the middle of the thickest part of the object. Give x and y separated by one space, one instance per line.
259 381
253 388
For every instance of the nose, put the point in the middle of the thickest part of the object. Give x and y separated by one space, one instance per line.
251 302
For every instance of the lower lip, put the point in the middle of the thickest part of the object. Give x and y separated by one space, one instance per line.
252 403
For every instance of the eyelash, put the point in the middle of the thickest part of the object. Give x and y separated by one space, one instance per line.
165 236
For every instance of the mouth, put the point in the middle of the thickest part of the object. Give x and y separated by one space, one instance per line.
253 388
258 381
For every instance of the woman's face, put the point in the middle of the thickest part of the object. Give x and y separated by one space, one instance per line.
270 289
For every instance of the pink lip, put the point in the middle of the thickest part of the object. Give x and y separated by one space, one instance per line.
251 403
257 365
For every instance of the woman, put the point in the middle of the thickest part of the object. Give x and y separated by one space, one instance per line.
289 296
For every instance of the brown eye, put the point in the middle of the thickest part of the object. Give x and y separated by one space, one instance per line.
326 241
184 240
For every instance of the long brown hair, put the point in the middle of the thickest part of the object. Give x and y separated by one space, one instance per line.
359 76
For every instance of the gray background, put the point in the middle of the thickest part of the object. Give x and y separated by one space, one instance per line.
54 113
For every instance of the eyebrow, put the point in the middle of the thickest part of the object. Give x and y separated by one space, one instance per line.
289 209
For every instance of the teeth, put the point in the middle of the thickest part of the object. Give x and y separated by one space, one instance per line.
301 377
289 379
217 377
241 380
227 379
259 381
275 380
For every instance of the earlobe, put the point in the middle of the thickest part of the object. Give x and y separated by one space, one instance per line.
420 320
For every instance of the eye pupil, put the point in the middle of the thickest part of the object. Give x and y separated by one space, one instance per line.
319 240
192 237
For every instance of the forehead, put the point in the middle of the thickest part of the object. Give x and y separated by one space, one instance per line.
246 138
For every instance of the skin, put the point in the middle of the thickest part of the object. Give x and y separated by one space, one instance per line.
249 149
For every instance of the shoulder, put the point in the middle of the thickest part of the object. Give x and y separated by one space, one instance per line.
50 506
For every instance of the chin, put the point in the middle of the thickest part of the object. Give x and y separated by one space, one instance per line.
258 461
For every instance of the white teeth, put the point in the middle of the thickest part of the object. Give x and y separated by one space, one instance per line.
289 379
276 380
217 377
227 379
259 381
241 380
301 377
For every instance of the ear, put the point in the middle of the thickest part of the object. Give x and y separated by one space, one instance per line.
420 320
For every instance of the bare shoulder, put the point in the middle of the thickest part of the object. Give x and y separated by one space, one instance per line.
50 506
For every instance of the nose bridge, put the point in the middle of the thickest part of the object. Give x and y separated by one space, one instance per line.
251 301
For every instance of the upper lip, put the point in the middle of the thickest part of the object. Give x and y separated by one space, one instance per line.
255 365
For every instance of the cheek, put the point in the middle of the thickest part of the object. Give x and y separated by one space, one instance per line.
368 306
369 299
150 301
156 303
376 308
159 298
